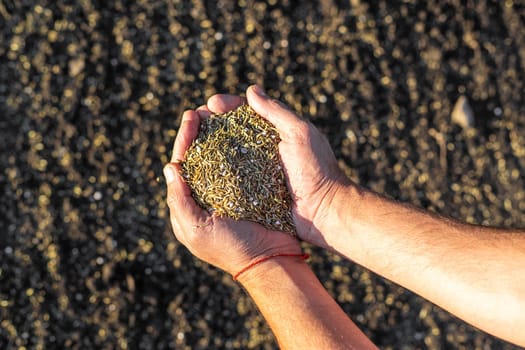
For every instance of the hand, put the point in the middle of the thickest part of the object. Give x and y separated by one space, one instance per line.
310 167
228 244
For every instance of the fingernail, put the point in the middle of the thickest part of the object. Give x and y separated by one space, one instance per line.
169 173
259 91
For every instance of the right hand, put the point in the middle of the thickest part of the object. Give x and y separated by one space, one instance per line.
310 167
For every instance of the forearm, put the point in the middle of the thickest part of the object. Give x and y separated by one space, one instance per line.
298 309
475 272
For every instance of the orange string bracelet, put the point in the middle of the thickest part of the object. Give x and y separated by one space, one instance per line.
265 258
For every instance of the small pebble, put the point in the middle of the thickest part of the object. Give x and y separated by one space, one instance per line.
462 113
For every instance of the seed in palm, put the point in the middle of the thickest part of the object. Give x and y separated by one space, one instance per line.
233 169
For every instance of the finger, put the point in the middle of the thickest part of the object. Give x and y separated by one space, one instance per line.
182 205
272 110
204 112
189 128
221 103
177 230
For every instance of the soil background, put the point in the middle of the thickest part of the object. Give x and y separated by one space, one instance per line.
91 94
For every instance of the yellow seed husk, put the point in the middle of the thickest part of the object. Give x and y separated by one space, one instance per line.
233 168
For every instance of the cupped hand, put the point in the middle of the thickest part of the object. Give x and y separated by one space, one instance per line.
313 175
223 242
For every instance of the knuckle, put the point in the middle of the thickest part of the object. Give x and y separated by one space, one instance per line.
171 200
301 132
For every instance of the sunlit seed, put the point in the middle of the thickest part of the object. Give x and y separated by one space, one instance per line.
233 191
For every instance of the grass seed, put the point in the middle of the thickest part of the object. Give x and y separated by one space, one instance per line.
233 169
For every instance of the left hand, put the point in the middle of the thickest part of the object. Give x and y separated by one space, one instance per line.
223 242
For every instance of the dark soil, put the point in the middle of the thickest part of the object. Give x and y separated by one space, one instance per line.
91 94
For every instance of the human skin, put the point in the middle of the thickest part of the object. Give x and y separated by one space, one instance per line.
476 273
285 289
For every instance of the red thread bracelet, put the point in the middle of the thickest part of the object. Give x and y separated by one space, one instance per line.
265 258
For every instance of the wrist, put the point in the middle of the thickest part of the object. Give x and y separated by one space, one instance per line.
341 210
267 270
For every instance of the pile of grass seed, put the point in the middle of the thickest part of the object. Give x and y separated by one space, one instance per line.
233 168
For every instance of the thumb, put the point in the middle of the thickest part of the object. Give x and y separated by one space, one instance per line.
273 110
180 201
